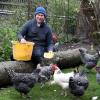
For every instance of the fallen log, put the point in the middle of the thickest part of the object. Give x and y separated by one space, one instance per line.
15 65
63 59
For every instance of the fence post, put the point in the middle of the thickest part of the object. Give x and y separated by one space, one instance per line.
29 9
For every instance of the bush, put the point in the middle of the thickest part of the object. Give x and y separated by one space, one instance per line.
6 35
95 36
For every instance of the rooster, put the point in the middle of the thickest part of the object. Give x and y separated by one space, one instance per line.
89 60
23 82
98 74
45 73
62 79
75 89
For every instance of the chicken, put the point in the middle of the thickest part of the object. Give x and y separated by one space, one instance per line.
95 98
56 47
62 79
23 82
98 74
45 73
89 60
55 42
81 79
54 38
75 89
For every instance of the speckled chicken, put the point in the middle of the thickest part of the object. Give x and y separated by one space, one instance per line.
45 73
81 79
98 74
56 47
89 60
23 82
75 89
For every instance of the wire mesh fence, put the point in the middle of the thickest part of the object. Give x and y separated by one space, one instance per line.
13 13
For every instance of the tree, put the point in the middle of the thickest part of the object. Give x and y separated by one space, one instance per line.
88 20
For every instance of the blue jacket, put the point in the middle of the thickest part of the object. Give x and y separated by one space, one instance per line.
41 36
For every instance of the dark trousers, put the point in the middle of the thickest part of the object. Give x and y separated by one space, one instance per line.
37 54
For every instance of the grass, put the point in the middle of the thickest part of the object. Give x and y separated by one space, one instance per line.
53 92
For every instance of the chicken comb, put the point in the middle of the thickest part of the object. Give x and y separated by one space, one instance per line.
53 66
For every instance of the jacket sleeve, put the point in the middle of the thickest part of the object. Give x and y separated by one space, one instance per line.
49 41
21 34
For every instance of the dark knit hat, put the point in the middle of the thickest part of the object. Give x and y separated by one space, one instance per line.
40 10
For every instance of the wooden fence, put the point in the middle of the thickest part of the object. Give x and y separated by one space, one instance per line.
11 3
7 7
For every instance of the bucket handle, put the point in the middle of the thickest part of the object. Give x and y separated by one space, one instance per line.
27 43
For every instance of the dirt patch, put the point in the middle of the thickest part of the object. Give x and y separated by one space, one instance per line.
84 44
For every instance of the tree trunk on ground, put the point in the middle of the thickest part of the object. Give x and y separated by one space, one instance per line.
15 65
63 59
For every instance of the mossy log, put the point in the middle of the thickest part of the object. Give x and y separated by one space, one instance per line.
63 59
15 65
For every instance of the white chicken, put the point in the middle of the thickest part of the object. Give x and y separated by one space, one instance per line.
62 79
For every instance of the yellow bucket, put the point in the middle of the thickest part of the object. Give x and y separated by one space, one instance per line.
22 51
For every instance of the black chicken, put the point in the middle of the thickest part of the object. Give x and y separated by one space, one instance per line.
90 61
23 82
81 79
75 89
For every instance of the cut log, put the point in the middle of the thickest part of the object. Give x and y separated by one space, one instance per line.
63 59
15 65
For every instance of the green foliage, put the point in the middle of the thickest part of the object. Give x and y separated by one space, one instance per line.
9 25
6 36
19 17
61 18
95 36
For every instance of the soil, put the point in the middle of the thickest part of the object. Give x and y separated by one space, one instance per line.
84 44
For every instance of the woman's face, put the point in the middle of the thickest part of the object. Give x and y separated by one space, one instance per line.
40 18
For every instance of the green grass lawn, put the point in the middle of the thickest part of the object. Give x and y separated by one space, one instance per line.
53 92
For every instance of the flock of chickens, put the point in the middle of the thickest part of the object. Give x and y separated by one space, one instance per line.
74 82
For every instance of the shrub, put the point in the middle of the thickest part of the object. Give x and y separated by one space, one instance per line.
6 35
